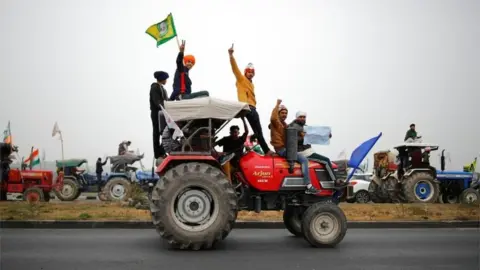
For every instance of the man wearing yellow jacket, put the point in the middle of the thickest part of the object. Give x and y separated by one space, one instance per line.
246 93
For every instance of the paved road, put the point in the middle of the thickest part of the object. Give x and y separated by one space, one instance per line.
92 249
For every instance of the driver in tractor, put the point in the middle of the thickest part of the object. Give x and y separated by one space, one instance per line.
233 144
307 150
277 133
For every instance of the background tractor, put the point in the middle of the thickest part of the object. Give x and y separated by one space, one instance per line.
195 203
458 186
404 177
34 185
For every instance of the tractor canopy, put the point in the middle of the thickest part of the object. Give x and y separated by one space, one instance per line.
205 108
422 145
74 162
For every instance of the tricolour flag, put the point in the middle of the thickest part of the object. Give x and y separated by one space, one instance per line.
7 134
163 31
34 159
171 124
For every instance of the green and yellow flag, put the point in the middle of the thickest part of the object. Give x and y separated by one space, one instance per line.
163 31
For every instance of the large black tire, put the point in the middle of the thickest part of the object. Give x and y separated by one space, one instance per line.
118 189
470 196
33 195
292 219
449 198
197 194
377 195
329 215
70 190
420 187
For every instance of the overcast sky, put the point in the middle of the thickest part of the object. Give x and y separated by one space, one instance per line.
361 67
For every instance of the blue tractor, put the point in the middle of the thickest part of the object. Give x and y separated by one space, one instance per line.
119 183
75 179
458 186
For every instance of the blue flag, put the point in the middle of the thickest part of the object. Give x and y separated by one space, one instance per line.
359 154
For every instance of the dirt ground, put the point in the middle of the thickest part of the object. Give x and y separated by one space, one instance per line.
354 212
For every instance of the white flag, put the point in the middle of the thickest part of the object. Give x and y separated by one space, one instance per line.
55 129
171 124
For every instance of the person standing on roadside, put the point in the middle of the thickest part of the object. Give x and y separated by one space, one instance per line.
246 93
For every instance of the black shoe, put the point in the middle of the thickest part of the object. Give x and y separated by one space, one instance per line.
311 189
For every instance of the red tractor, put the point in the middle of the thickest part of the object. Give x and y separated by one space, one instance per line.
195 203
35 185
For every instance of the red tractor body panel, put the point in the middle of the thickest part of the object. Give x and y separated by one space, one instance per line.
268 174
19 181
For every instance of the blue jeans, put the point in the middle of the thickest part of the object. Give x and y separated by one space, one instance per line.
303 161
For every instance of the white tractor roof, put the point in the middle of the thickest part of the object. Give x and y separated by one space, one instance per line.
417 145
204 108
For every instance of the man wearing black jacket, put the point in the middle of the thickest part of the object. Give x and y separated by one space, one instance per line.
158 95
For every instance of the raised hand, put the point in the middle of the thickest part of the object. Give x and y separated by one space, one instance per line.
230 51
279 101
182 46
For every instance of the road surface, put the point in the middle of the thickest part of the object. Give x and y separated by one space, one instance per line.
113 249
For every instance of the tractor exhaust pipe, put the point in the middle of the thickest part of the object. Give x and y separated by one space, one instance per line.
442 161
291 145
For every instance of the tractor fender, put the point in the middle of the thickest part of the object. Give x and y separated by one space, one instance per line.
408 173
173 160
377 180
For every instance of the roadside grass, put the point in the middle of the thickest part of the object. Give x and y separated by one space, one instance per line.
103 211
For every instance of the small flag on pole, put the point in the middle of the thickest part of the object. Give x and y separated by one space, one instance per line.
7 134
163 31
171 124
56 130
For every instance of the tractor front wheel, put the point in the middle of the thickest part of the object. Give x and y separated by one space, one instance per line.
292 219
324 225
470 196
193 206
33 195
69 191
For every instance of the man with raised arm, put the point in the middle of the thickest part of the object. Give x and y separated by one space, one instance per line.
277 133
246 93
182 84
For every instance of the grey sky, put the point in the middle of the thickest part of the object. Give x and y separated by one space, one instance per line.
362 67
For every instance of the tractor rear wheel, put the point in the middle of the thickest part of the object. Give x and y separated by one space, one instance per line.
193 206
33 195
421 187
118 189
324 225
470 196
292 219
377 195
69 191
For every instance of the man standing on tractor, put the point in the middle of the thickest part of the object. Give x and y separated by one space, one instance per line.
277 133
158 95
99 170
411 134
307 150
246 93
182 85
